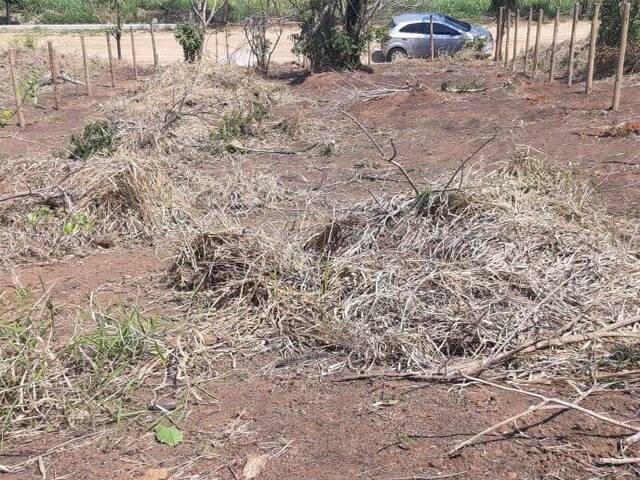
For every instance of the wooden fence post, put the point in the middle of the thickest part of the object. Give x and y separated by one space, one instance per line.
615 105
552 61
515 38
16 88
85 61
226 40
110 53
154 47
572 44
54 75
592 48
527 41
133 55
498 44
432 41
536 48
507 43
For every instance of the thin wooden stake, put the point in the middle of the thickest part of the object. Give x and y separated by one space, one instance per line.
54 75
527 41
536 48
498 46
154 47
515 37
615 105
85 61
111 71
216 35
133 54
507 45
432 41
572 44
592 48
16 89
226 41
552 61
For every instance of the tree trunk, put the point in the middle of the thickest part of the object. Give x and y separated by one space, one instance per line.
352 22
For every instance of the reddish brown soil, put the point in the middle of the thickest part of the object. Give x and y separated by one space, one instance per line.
331 429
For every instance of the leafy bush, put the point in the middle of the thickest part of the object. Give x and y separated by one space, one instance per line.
99 136
5 116
611 15
191 38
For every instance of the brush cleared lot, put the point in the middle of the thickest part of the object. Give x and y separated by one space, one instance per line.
343 275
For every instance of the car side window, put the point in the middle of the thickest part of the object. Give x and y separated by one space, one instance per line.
415 28
440 29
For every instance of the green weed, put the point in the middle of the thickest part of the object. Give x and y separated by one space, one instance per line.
98 137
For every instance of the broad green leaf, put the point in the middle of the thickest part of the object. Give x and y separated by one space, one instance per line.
168 435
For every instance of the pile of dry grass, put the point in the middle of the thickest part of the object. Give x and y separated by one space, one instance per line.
62 205
182 109
422 283
581 59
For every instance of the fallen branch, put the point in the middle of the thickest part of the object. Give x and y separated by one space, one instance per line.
617 461
390 159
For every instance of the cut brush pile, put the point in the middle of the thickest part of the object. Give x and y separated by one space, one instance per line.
454 281
65 204
198 108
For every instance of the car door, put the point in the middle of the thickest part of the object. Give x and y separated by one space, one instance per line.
447 40
415 39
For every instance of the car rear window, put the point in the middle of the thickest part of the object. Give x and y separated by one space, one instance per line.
459 23
391 25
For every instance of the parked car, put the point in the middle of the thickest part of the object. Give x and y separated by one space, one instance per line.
409 36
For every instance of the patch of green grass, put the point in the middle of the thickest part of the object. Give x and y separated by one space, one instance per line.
48 383
237 124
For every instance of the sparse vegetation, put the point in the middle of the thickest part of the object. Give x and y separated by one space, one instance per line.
98 137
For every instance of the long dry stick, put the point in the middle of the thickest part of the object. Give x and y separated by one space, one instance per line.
558 401
391 159
533 408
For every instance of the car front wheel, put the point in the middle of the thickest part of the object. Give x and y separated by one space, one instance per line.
396 54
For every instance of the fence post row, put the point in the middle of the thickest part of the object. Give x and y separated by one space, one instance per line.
154 47
133 55
432 41
507 44
16 88
515 38
54 75
498 42
552 61
111 71
592 48
527 41
615 106
536 48
85 61
572 44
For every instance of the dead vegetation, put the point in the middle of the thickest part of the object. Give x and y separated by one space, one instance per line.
453 277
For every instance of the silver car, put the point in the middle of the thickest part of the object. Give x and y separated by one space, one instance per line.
409 36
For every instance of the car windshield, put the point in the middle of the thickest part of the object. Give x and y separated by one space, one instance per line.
459 23
391 25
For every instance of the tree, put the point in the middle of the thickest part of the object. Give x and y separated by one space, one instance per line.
333 33
7 5
264 21
611 15
205 11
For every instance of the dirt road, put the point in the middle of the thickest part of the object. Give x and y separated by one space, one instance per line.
169 51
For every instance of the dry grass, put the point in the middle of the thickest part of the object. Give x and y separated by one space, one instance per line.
456 274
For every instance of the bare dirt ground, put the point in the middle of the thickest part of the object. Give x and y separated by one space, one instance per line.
170 51
316 426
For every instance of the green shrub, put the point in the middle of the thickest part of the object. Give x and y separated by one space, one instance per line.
5 116
237 124
99 136
191 38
